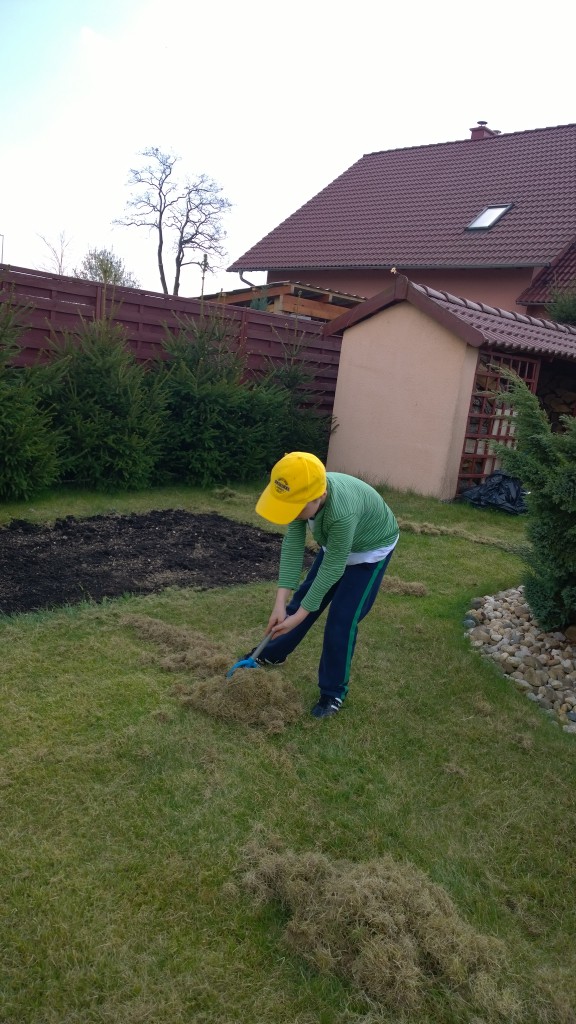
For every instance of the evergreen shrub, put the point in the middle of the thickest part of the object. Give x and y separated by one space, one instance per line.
221 432
304 428
562 305
94 416
546 463
28 444
224 425
208 349
107 406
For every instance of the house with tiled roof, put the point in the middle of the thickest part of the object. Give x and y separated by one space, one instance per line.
417 403
491 217
559 276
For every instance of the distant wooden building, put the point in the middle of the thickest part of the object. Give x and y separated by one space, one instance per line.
305 301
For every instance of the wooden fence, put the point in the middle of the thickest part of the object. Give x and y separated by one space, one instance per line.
56 304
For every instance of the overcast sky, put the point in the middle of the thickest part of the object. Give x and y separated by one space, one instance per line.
271 100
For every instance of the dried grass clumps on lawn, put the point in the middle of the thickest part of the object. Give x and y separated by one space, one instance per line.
251 696
408 526
225 493
394 585
431 530
181 650
382 925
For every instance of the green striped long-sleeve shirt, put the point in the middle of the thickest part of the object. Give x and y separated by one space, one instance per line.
354 518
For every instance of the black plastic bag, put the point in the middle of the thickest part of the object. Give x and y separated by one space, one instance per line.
498 491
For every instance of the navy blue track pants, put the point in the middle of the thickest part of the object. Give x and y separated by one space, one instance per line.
350 599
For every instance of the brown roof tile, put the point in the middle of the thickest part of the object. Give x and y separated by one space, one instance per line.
475 322
562 274
410 208
504 330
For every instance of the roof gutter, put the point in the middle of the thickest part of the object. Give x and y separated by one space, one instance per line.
400 266
245 280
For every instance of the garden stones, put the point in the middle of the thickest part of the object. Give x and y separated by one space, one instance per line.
542 665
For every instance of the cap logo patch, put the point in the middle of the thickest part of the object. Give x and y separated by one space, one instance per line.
281 485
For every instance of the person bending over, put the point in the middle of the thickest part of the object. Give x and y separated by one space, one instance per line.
357 533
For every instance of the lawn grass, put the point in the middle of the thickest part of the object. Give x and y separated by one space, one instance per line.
51 505
125 814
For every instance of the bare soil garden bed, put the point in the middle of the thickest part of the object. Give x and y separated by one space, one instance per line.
100 557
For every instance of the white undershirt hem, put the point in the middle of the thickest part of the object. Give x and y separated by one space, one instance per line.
358 557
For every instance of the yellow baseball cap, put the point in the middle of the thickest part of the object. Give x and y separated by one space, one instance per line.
294 481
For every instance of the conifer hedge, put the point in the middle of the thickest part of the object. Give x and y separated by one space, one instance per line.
546 463
29 444
94 416
107 409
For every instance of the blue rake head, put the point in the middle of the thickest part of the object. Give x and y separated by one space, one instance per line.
244 663
250 661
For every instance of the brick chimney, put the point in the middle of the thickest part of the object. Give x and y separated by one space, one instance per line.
481 131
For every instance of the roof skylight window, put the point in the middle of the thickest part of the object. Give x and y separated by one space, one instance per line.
488 218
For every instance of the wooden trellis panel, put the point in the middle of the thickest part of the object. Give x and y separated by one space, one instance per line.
489 416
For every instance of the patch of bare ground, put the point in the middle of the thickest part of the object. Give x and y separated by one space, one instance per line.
101 557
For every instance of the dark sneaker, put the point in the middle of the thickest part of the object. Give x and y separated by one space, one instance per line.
326 706
262 661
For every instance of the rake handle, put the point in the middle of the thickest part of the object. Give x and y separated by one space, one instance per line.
256 654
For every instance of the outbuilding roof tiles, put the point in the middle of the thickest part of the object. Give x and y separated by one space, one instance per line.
506 330
476 323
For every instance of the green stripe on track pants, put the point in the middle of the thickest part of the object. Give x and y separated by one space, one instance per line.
350 599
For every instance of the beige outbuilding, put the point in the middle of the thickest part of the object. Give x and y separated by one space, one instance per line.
415 405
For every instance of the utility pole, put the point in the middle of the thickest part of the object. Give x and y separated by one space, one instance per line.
204 269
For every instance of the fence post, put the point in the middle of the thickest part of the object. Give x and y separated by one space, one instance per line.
243 337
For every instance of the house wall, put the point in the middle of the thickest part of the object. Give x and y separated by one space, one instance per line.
402 402
538 311
494 287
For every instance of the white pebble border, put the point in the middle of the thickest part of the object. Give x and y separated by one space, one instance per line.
543 665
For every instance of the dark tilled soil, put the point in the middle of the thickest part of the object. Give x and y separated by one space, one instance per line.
106 556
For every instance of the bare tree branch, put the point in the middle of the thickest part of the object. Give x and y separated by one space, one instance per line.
186 216
57 262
